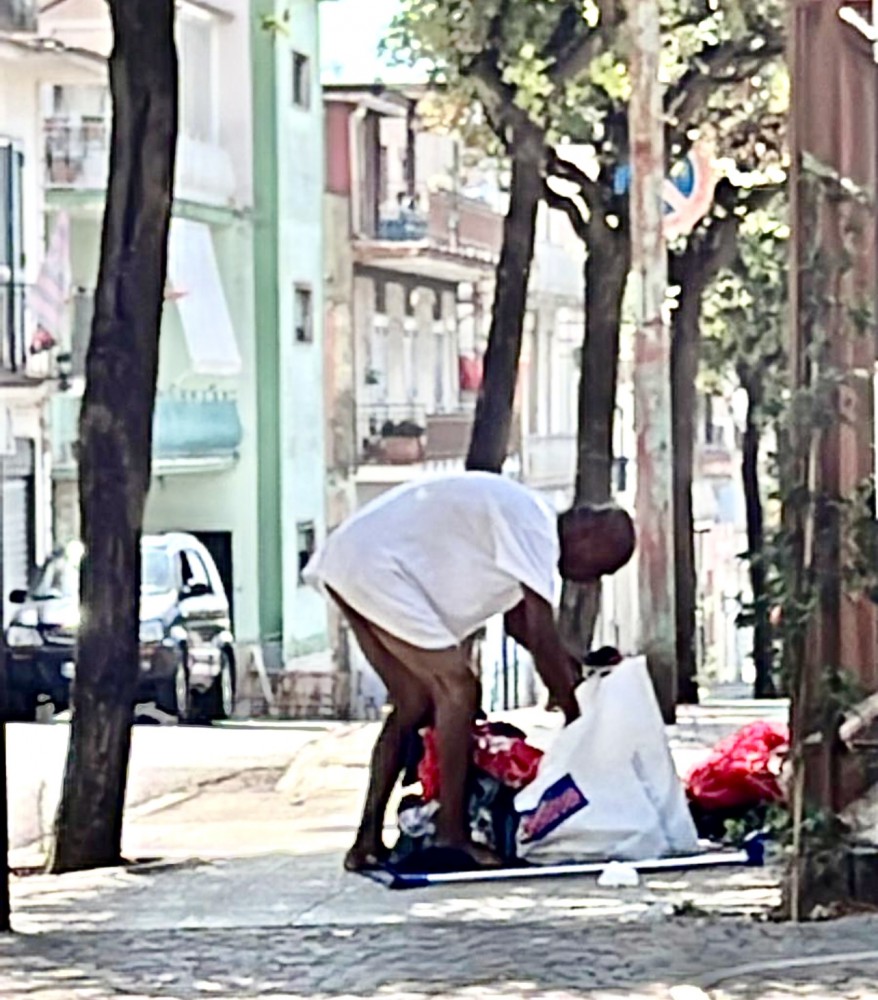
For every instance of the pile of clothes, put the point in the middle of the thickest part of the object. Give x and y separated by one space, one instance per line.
502 763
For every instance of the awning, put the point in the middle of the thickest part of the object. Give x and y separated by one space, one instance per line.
197 289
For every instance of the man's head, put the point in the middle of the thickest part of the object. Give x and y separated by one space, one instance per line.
595 542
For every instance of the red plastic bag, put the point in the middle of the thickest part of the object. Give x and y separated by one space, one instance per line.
428 769
743 771
510 760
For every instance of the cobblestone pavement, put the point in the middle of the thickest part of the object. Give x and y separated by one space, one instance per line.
289 924
443 959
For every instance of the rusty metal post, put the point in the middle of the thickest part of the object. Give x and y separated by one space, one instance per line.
833 144
652 358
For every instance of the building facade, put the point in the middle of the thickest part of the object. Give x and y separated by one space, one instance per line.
28 375
238 432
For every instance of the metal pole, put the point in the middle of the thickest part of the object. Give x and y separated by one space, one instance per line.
652 358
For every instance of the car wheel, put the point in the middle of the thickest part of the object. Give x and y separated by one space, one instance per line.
221 696
181 693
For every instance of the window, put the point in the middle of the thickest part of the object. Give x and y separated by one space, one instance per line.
380 297
306 541
194 572
156 573
11 258
383 176
301 80
303 314
199 83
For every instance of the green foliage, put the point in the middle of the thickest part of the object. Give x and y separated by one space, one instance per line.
774 820
276 24
745 322
746 329
563 62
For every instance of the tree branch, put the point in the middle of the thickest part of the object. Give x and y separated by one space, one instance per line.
498 99
685 98
571 55
564 170
569 207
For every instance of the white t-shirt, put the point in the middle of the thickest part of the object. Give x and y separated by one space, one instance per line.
431 561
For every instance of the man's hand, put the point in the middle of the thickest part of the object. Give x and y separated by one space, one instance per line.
532 625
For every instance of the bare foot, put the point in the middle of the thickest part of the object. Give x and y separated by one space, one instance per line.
362 858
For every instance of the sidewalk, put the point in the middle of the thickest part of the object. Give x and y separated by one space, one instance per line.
277 916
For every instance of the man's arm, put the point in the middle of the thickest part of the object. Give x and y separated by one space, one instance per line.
532 625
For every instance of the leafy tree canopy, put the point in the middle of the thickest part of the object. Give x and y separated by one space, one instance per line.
560 65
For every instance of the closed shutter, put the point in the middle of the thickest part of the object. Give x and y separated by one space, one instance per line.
18 519
16 557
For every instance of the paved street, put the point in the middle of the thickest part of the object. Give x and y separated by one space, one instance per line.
441 959
165 761
296 926
253 901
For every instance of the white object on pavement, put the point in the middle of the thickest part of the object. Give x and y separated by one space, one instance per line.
607 787
618 875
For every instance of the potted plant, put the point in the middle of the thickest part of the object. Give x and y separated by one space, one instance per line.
402 442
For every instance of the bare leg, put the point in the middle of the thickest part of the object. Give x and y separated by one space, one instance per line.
456 705
411 706
454 692
388 759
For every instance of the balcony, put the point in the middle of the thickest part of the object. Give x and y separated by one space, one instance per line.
196 426
18 15
77 152
450 222
448 436
455 239
392 434
465 224
404 434
402 225
192 432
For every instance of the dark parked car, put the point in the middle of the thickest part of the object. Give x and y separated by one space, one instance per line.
187 664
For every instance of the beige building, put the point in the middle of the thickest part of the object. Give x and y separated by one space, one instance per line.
414 225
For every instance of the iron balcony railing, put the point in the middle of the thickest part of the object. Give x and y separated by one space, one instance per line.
18 15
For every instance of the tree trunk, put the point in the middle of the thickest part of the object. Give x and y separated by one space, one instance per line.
115 429
685 349
707 252
606 273
493 420
764 686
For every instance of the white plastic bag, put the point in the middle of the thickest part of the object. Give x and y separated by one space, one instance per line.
607 787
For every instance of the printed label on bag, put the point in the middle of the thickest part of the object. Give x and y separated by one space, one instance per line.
558 803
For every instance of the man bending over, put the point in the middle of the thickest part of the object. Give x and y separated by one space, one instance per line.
416 573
